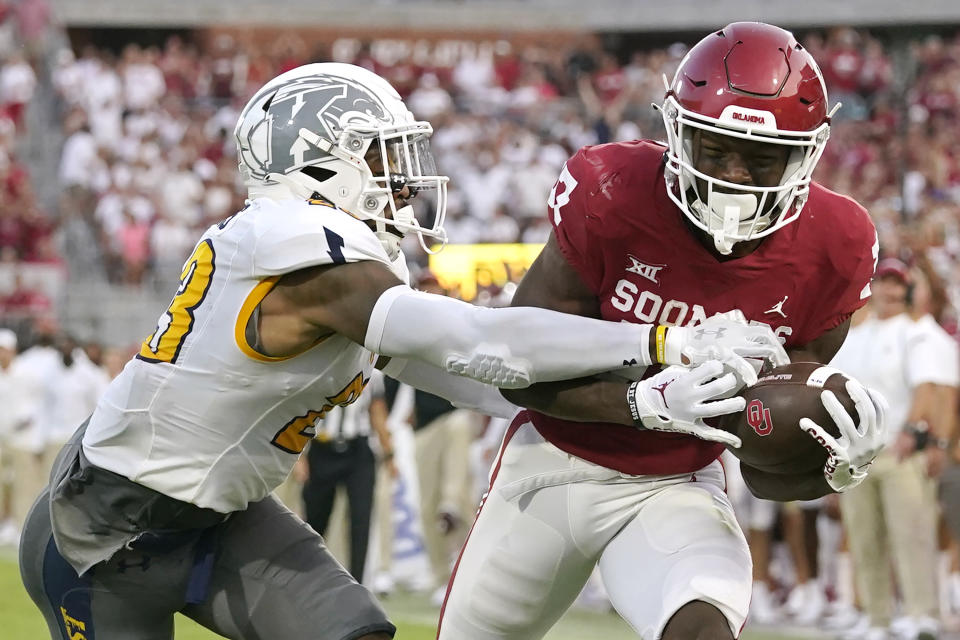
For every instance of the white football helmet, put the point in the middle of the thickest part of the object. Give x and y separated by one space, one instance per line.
306 134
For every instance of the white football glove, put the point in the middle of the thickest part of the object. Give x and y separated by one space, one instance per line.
728 338
849 457
679 398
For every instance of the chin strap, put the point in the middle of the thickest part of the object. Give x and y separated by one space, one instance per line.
295 188
388 234
725 215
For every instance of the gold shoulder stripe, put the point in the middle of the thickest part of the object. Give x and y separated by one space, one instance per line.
254 298
330 205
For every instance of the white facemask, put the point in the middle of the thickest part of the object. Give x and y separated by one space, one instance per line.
389 239
726 214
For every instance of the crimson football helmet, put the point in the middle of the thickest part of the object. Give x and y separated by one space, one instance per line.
751 81
309 130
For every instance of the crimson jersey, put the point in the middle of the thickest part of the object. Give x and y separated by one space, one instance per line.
616 226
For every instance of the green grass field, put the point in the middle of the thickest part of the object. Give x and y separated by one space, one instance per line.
413 615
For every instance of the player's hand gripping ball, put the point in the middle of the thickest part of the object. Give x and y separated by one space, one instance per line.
769 425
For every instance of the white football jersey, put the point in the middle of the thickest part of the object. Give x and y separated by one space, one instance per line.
198 414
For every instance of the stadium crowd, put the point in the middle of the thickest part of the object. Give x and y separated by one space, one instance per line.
148 162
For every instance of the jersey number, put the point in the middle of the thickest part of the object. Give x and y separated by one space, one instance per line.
177 321
560 194
295 435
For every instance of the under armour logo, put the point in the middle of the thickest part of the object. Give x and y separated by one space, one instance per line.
778 308
632 362
661 388
648 271
716 333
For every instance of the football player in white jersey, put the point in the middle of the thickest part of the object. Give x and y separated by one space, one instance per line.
161 501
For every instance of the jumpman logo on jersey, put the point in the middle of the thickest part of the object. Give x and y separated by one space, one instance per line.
778 308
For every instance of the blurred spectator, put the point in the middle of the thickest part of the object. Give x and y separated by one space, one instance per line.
610 80
143 82
75 386
24 301
8 29
79 158
224 66
134 241
502 228
14 417
17 84
114 359
892 515
33 20
34 367
182 192
170 244
429 99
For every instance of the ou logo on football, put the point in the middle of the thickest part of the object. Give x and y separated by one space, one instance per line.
759 418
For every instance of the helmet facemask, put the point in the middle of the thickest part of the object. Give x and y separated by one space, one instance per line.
729 212
383 161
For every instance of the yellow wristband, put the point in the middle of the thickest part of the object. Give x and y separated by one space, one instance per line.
661 343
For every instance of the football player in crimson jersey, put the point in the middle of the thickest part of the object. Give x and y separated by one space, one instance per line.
161 501
723 218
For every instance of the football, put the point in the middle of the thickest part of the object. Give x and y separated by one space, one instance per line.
769 428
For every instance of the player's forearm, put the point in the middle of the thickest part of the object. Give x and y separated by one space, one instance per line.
925 412
941 419
509 348
934 405
948 411
580 400
464 393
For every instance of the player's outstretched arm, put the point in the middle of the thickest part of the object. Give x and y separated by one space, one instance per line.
463 393
366 303
552 283
509 348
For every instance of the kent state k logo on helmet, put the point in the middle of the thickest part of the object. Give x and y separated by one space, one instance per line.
332 102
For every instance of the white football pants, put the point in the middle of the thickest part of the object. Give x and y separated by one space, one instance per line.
550 517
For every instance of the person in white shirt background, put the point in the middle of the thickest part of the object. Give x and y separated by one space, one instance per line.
930 305
51 388
75 386
26 443
894 511
12 419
